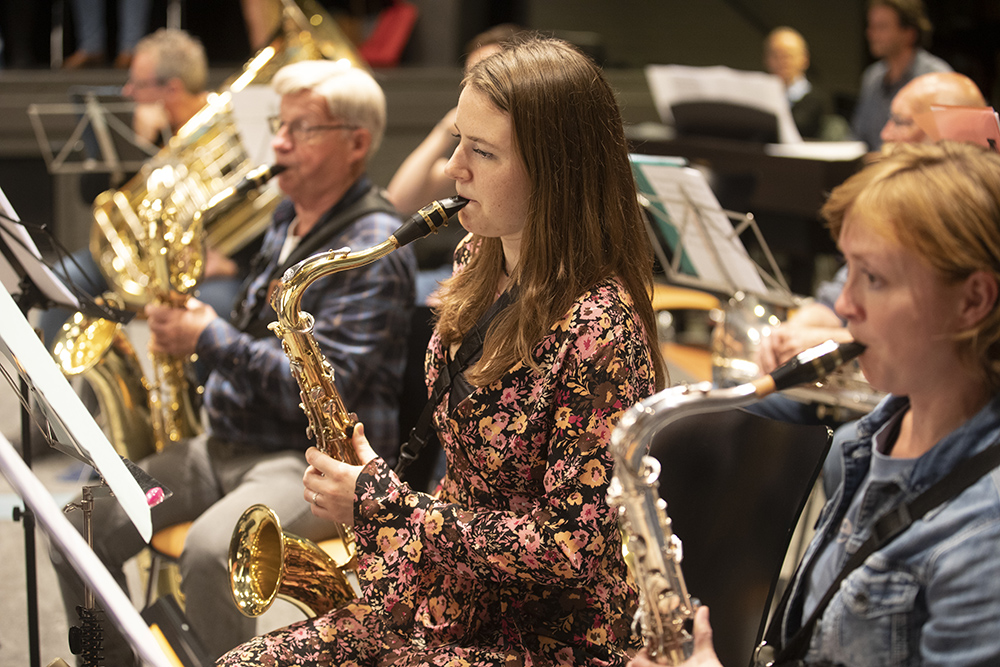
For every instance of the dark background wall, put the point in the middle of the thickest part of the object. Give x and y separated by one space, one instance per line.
623 33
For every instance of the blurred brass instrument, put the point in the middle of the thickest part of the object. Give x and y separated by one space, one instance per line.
255 568
149 237
266 563
97 350
653 551
743 322
206 156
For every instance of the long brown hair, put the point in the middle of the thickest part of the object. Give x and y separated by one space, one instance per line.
584 223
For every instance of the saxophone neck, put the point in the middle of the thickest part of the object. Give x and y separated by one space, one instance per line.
287 296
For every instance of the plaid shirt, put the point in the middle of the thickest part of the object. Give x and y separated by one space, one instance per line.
362 319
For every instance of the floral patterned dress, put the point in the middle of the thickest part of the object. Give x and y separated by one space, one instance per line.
517 560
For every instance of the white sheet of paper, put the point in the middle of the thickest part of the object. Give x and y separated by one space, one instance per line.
252 106
24 249
720 260
72 425
672 84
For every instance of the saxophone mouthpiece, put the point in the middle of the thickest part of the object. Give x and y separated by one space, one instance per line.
228 198
810 365
256 178
428 219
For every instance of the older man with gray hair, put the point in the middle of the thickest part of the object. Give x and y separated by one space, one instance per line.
330 121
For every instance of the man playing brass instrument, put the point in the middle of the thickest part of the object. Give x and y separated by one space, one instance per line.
167 81
331 120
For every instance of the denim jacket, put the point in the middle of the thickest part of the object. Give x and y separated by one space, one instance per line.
931 596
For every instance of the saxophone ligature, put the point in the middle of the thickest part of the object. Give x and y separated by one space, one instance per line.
256 567
653 551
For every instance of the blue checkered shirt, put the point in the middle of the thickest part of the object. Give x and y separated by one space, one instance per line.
362 318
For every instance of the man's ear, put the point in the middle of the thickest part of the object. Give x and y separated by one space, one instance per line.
979 298
361 141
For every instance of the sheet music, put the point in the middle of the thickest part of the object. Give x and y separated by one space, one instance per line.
16 237
252 106
673 84
696 224
73 426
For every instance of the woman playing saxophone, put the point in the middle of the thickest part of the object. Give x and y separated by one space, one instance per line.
517 559
920 231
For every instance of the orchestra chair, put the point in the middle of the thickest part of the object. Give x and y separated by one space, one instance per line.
735 485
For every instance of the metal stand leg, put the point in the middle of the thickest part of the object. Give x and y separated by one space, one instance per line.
87 639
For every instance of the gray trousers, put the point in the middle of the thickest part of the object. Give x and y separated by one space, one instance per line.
213 481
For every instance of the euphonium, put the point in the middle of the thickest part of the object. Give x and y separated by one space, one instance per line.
252 567
653 552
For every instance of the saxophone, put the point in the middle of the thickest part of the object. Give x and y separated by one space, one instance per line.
254 577
654 552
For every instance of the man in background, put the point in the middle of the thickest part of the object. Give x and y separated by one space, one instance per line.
917 97
898 32
786 55
167 81
816 321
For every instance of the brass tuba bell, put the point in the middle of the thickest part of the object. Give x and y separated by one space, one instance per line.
266 563
97 350
205 157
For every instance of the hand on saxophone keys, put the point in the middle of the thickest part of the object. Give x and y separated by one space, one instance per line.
703 654
174 330
328 484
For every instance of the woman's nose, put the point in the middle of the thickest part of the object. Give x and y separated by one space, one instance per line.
454 169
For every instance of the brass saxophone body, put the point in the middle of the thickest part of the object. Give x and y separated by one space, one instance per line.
329 421
653 551
256 570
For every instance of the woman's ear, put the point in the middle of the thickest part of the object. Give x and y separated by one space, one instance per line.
979 298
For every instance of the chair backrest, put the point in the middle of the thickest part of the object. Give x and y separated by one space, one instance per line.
735 485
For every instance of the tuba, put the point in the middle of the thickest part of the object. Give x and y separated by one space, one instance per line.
256 563
654 552
149 236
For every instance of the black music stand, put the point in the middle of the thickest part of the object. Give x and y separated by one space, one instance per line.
115 602
72 430
103 129
694 238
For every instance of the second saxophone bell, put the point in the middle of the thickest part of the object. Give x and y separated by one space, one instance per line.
266 563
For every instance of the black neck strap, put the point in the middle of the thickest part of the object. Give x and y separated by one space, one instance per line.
468 352
889 526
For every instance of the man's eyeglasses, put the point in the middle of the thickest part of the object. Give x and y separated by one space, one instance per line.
301 131
900 121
